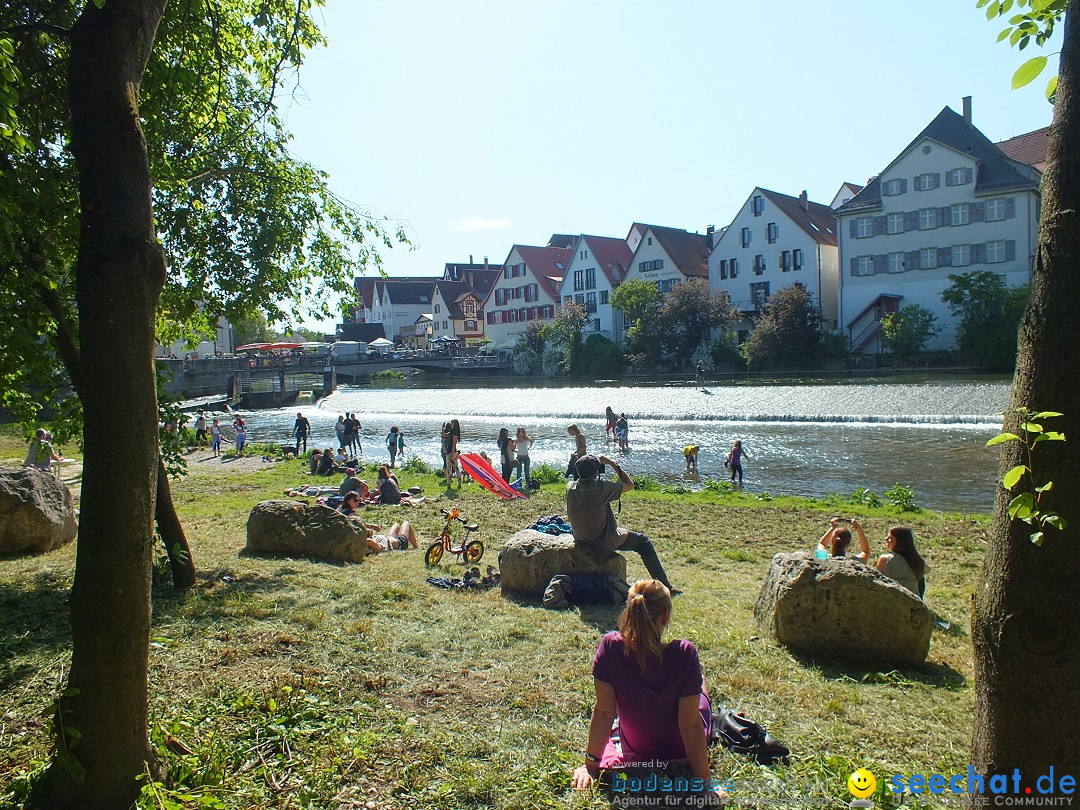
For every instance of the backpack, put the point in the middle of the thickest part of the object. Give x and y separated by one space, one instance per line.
584 588
741 735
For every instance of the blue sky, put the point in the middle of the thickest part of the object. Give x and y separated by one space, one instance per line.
483 124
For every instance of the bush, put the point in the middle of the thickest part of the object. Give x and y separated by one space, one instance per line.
720 487
865 497
388 374
547 474
417 465
902 498
724 352
526 361
645 482
600 356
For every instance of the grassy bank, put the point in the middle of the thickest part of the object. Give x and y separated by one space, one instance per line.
295 683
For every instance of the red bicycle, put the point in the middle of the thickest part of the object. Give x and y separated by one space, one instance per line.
470 550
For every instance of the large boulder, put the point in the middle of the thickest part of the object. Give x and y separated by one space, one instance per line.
297 529
841 608
36 512
529 559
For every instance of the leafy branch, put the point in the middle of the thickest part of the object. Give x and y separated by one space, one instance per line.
1036 22
1027 505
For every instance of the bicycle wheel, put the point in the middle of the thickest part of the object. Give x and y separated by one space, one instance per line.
473 551
433 554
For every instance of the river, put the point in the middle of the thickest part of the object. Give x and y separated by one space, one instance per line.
811 437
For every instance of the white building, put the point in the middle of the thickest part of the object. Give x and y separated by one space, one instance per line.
775 241
598 265
399 302
527 289
667 256
951 202
221 342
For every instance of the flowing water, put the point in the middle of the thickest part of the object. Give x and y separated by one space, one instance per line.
811 437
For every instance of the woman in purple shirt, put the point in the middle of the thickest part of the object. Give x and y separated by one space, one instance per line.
656 690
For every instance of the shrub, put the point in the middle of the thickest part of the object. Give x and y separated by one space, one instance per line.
388 374
417 465
646 482
721 487
902 497
866 497
547 474
600 356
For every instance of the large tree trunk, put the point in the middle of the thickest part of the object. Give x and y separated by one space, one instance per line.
119 275
172 533
1024 628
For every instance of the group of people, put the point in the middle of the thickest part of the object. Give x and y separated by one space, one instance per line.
514 455
208 431
901 561
347 430
617 428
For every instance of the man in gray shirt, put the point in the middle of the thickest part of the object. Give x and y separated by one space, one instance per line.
588 509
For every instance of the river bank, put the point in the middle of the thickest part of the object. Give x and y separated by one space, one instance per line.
298 683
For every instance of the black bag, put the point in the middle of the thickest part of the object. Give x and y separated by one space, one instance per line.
741 735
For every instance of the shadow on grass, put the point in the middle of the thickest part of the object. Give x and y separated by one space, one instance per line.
218 594
34 619
941 676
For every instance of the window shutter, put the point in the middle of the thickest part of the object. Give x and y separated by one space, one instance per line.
969 174
943 217
911 260
911 220
1010 207
978 253
852 228
935 182
854 266
881 263
880 226
1010 250
949 179
903 185
979 212
944 257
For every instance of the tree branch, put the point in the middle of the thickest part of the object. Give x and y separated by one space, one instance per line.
65 336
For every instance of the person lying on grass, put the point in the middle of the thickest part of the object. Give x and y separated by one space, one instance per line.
656 689
400 537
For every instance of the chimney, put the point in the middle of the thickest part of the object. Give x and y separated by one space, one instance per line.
709 231
803 202
485 262
470 259
967 110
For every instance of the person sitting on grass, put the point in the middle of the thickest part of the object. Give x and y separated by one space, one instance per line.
388 490
350 483
313 462
835 541
326 463
903 563
350 504
655 689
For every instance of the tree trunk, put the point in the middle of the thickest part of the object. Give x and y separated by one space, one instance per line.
1024 626
172 533
101 739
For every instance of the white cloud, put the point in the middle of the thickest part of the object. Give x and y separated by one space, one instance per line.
476 224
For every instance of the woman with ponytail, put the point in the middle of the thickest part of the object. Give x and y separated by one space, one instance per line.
654 688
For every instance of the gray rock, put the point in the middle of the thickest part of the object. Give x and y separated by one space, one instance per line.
841 608
529 559
36 512
296 529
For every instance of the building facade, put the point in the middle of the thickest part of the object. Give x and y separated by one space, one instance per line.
527 289
598 266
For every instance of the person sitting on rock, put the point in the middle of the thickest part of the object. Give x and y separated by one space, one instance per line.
656 689
835 541
588 510
40 454
903 563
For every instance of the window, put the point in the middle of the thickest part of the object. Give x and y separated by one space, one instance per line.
667 285
772 232
864 266
733 265
578 280
864 227
927 219
894 223
995 210
603 296
650 240
785 261
959 177
759 294
927 258
470 326
796 258
995 251
590 278
759 264
648 267
491 318
958 214
896 262
445 325
584 254
468 307
723 269
890 188
595 322
532 293
580 299
590 302
758 206
745 237
928 181
547 311
961 255
567 299
437 309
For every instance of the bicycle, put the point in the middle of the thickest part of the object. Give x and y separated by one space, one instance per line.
470 550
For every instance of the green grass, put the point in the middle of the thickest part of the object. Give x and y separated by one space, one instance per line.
295 683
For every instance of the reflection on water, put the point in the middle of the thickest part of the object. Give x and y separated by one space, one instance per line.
807 439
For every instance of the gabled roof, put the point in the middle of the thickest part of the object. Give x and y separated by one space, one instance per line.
689 251
365 290
364 332
612 254
816 219
548 264
561 240
995 170
855 187
1029 148
454 292
415 290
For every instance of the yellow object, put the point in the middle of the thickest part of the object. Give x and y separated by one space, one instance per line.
862 784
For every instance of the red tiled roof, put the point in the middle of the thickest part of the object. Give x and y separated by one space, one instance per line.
548 264
1029 148
818 222
689 251
612 254
454 292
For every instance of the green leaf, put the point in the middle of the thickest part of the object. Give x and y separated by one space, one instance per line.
1028 71
1036 538
981 3
99 3
1013 476
1003 437
1045 415
1049 485
1055 520
992 11
1022 506
1032 427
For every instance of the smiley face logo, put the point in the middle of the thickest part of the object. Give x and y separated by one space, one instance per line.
862 784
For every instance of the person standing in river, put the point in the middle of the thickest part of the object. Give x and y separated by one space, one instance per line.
734 460
301 429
